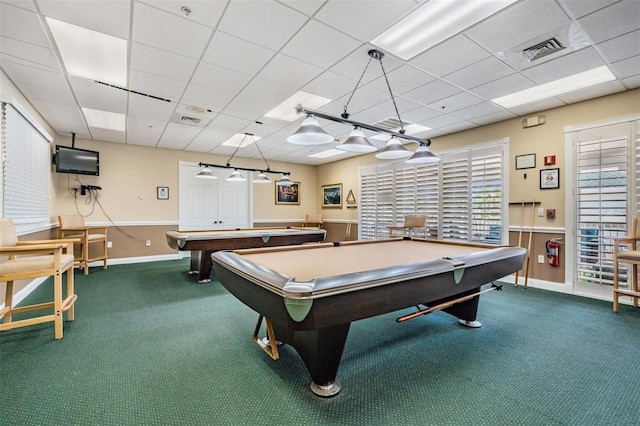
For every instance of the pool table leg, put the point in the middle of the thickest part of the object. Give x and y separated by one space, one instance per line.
466 311
321 351
204 274
195 262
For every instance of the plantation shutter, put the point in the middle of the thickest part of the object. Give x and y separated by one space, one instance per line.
486 197
602 186
456 200
26 168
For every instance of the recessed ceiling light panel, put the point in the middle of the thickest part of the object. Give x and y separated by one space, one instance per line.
90 54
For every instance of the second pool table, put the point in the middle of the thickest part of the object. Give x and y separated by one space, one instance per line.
203 243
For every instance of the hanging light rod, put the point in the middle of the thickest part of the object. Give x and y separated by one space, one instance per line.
319 114
246 169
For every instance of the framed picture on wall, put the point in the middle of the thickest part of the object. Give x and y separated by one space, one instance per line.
163 192
332 196
288 194
527 161
550 179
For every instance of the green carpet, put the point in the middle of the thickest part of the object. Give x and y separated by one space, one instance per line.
150 346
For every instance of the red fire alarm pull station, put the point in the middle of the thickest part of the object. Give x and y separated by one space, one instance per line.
549 160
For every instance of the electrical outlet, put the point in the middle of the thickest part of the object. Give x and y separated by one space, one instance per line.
540 258
540 212
148 243
109 244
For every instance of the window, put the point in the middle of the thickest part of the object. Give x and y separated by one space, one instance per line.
605 179
462 196
26 168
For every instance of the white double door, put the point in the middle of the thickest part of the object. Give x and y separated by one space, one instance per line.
206 204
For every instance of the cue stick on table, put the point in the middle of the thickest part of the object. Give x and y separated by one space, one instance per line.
446 304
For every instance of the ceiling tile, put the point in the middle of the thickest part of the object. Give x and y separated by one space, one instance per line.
289 71
613 21
223 51
220 78
163 30
622 47
20 24
449 56
27 53
479 73
320 45
203 12
156 85
265 22
431 92
161 62
363 19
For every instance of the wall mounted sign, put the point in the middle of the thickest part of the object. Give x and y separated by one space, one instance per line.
527 161
549 178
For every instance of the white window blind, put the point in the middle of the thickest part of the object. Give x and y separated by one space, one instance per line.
462 196
26 167
602 185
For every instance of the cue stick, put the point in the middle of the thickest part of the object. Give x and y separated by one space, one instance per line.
533 218
446 304
520 236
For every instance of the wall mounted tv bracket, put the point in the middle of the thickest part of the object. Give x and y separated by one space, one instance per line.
84 188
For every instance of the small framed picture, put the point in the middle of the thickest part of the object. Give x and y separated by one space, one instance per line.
527 161
332 196
288 194
549 178
163 192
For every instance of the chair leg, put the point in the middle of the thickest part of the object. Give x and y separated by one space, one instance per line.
615 285
104 261
85 257
8 302
70 293
634 286
57 305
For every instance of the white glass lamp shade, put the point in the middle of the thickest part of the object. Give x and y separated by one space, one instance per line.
284 181
206 173
262 178
394 150
357 142
423 156
310 133
235 176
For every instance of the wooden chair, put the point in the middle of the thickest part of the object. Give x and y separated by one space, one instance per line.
412 223
625 250
73 227
35 259
313 220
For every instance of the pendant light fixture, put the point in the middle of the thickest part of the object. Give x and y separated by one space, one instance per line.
310 133
423 156
394 150
236 176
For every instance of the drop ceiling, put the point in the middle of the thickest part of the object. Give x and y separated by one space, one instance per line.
222 66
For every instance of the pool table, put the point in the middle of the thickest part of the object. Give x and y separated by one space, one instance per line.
311 294
203 243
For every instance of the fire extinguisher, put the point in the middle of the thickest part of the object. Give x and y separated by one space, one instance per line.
553 252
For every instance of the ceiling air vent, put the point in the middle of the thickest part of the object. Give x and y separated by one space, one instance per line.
391 124
543 49
181 118
185 119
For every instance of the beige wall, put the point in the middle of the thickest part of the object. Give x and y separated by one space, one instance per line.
130 174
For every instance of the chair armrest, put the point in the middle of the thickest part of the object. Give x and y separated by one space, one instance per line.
73 229
33 248
97 228
56 241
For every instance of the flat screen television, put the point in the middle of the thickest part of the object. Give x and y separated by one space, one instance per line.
77 161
